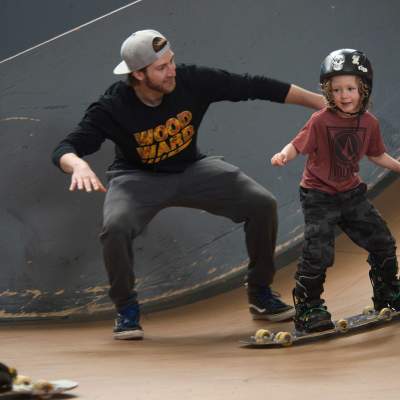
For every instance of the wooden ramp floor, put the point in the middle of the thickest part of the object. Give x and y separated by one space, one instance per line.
193 352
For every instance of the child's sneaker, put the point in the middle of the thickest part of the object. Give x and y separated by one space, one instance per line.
266 304
127 324
386 285
311 316
387 295
394 300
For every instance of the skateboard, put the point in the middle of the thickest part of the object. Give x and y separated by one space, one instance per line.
39 389
368 318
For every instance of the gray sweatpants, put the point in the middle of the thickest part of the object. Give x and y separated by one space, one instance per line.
210 184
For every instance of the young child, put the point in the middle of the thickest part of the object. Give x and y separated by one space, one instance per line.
331 192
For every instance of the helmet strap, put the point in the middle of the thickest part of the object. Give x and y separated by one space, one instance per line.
358 114
349 114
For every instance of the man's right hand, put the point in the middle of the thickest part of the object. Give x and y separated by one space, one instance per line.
82 176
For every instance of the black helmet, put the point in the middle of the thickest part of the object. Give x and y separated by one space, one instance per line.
347 62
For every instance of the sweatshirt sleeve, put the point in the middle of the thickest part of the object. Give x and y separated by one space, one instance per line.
88 136
219 85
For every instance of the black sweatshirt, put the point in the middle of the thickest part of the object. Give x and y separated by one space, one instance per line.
162 138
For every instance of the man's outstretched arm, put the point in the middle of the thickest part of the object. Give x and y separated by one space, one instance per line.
303 97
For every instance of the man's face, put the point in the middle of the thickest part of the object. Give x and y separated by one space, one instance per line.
160 76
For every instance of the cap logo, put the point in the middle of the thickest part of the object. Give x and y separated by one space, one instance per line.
362 68
355 59
338 62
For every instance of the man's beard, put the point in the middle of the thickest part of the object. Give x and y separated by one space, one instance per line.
165 87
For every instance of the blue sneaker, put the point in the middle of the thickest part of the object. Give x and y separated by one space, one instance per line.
266 304
127 324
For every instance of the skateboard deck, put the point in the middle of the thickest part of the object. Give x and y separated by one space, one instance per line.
368 318
40 389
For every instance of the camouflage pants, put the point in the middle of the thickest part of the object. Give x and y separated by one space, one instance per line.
356 216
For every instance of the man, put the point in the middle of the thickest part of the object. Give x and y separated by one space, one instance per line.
153 118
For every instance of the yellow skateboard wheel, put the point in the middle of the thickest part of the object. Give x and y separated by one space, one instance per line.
343 325
284 338
22 380
385 314
368 310
261 335
43 386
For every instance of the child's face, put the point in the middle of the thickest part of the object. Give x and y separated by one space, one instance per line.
345 93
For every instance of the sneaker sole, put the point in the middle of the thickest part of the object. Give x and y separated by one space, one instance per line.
283 316
129 335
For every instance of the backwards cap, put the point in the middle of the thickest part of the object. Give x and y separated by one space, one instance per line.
137 51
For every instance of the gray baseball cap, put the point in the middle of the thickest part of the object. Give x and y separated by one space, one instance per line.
137 51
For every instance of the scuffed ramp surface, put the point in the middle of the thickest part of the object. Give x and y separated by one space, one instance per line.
51 257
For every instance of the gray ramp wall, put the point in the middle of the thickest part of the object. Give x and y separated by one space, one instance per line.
51 264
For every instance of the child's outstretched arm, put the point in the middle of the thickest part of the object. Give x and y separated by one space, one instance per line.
386 161
288 153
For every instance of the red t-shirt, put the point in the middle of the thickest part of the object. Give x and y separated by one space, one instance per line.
335 146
